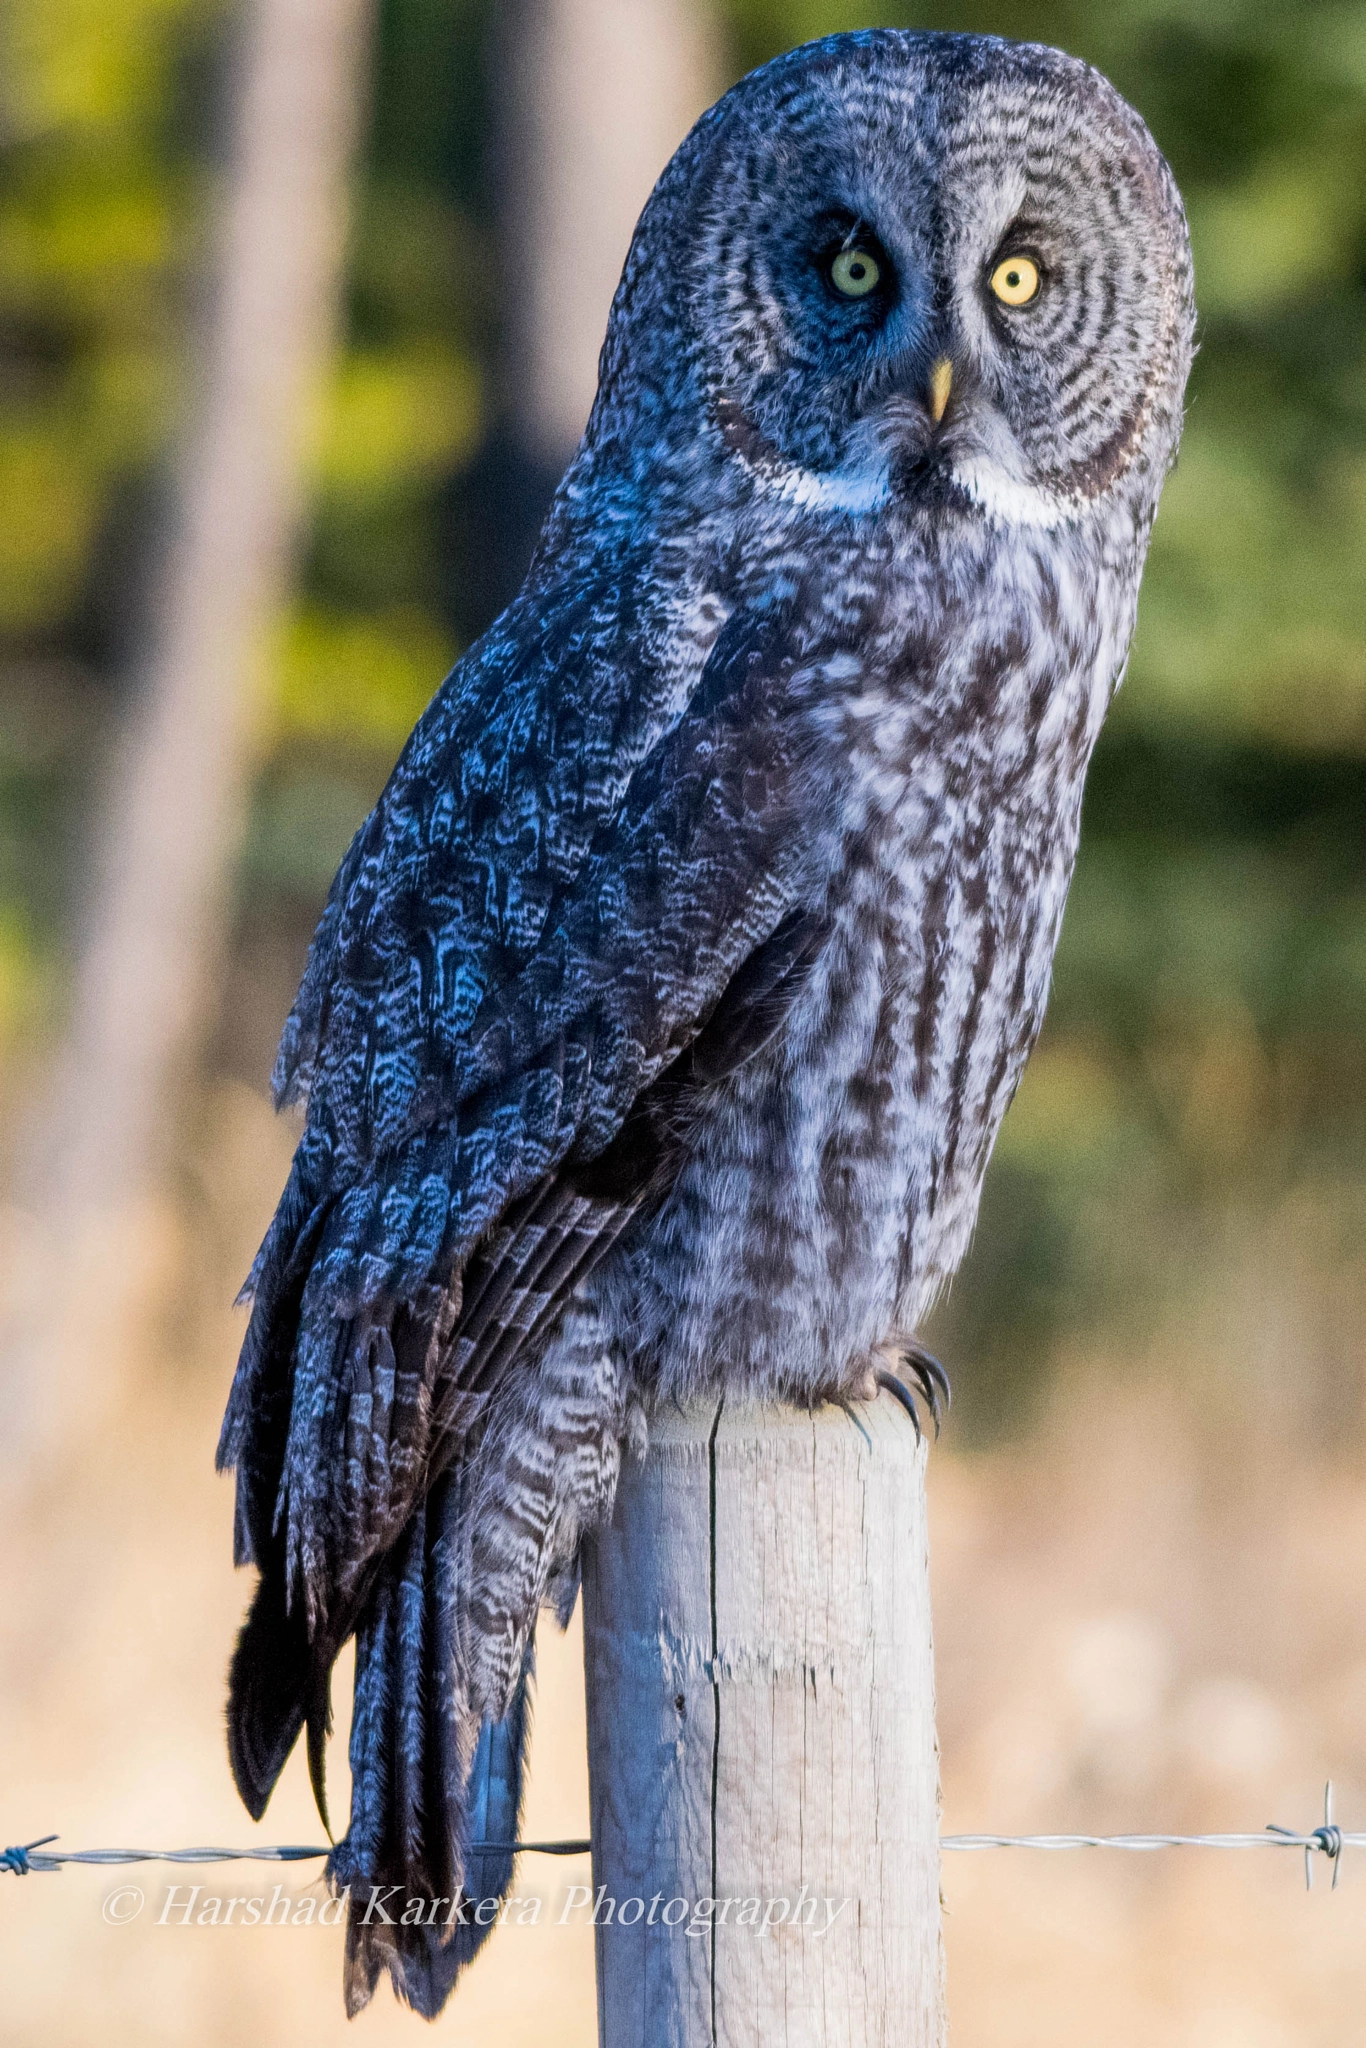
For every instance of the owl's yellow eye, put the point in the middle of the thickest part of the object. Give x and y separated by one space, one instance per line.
855 273
1015 280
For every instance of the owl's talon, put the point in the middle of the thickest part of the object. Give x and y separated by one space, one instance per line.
902 1393
932 1380
929 1380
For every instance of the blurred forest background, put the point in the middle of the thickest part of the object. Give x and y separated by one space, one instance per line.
1151 1508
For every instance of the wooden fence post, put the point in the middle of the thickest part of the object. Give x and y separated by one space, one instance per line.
762 1754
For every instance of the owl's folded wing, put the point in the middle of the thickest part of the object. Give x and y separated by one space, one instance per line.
523 769
386 1310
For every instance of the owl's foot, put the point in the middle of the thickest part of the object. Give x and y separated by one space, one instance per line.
929 1379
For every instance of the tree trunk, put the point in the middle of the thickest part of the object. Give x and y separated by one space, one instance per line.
597 95
157 899
761 1737
591 99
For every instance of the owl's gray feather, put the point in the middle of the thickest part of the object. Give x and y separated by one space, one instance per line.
664 1011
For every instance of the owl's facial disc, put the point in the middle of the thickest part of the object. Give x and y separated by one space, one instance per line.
935 265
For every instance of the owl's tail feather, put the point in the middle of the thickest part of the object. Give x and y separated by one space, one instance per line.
279 1683
269 1688
427 1779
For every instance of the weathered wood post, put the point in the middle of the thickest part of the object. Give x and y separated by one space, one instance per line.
762 1754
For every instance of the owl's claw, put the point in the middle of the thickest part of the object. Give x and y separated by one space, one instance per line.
930 1376
929 1379
902 1393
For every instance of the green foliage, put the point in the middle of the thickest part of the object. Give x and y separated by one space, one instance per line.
111 154
103 113
377 622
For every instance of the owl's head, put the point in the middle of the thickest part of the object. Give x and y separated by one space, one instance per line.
903 266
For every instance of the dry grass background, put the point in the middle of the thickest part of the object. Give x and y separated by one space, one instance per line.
1150 1614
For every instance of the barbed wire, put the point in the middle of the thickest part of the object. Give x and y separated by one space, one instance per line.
1325 1840
1328 1839
36 1856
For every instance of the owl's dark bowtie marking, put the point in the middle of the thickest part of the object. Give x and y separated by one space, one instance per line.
664 1011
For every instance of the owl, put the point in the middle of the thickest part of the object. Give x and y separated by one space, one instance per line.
663 1012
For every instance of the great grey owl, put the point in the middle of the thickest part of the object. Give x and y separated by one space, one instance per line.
664 1010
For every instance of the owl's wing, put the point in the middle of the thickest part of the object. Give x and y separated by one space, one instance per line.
412 1259
452 884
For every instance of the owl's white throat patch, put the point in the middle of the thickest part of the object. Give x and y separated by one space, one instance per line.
861 484
864 485
1008 498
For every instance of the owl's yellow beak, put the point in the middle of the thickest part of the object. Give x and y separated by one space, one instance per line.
940 384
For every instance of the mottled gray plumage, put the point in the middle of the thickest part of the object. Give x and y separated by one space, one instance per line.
664 1011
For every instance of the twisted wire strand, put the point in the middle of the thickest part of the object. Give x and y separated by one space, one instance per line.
1327 1840
36 1856
1275 1838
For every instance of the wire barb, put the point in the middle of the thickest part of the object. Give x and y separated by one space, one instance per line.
20 1859
1329 1840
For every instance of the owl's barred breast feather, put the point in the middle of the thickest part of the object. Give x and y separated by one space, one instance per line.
663 1013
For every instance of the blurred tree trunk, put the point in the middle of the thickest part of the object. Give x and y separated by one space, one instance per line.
597 95
592 98
158 892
